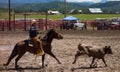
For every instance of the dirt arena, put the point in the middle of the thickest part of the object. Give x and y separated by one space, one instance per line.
64 50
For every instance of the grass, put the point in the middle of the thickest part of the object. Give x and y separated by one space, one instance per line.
94 16
58 17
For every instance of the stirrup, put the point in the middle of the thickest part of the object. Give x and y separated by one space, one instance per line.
30 45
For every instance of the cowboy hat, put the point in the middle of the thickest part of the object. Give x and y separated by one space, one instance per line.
33 21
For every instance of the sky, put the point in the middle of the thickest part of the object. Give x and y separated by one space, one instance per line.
95 1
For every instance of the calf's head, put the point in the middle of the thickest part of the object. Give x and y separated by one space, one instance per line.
108 50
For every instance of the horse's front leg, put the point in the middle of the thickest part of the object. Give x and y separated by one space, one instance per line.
43 59
51 54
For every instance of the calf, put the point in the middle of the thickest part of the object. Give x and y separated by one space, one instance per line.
92 51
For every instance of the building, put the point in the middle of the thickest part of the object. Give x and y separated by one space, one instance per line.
53 12
74 11
95 10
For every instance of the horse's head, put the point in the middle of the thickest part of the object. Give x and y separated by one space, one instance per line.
55 34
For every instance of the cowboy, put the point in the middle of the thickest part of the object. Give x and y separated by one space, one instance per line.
34 40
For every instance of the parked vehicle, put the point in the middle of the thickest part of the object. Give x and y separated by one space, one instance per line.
114 26
79 25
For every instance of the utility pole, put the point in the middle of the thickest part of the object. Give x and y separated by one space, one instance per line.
46 18
64 8
25 18
9 9
14 20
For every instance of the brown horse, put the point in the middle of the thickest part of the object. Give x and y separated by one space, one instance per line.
22 47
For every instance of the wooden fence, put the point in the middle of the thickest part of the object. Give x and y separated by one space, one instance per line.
24 24
46 24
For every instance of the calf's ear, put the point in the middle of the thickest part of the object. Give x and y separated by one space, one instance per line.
106 46
109 46
79 44
108 50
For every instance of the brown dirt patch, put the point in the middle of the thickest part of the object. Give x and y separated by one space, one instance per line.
64 50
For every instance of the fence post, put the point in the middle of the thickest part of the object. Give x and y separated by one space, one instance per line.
2 26
9 7
14 21
46 21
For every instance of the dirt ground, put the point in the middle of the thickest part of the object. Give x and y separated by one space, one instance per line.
64 50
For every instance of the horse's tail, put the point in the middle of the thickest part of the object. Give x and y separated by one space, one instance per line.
13 54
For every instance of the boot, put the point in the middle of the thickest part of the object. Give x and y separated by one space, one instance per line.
40 49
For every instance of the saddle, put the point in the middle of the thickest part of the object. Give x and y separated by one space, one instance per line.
39 50
30 43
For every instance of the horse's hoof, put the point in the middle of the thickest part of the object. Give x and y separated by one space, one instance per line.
17 67
43 66
46 65
91 66
4 64
72 69
105 65
59 62
73 63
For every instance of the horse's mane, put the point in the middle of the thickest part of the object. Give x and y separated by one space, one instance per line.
48 34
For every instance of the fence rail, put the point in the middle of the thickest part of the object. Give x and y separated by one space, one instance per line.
24 24
43 24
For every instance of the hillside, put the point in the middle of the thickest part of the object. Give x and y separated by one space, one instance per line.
111 6
107 4
56 5
27 1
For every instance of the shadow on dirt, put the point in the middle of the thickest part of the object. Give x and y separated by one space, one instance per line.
73 69
21 69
